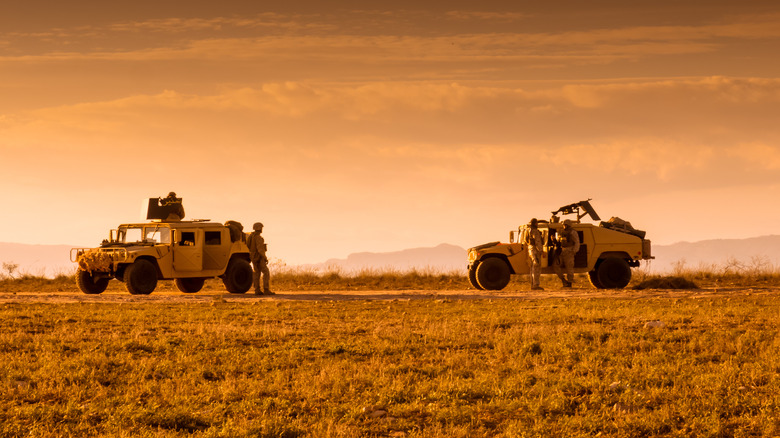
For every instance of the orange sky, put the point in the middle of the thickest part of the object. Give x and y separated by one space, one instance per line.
377 126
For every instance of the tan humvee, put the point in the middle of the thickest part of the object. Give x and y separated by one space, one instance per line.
607 251
188 252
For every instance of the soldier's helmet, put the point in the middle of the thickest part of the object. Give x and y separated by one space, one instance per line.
172 195
567 223
257 226
534 223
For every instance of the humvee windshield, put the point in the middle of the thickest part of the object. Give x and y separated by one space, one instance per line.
151 234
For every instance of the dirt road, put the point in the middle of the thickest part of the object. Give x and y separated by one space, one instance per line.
212 296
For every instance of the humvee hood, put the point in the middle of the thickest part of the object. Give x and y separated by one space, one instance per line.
484 245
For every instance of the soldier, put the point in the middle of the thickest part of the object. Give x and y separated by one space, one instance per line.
534 244
177 209
257 249
569 243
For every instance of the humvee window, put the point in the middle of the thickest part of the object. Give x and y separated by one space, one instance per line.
130 234
187 238
158 235
213 238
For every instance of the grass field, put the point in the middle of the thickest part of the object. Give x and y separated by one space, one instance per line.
416 368
293 280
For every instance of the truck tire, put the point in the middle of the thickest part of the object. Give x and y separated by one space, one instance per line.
238 276
89 284
473 277
594 279
141 277
190 285
613 273
493 274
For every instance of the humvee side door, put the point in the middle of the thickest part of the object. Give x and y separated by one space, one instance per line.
188 250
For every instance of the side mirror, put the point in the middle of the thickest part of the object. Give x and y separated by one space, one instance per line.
512 236
175 237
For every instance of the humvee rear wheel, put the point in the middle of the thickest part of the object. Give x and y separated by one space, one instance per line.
141 277
238 276
190 285
473 277
493 274
89 284
613 273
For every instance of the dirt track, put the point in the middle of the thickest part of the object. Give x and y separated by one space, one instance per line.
212 296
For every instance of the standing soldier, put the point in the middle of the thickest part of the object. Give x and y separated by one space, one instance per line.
569 243
257 249
533 242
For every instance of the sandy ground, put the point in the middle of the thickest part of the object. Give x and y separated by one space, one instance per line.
212 296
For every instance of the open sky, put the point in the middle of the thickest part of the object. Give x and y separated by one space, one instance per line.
349 126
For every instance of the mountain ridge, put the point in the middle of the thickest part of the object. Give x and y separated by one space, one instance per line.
753 252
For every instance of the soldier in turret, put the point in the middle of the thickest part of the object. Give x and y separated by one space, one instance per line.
257 250
569 243
533 243
176 212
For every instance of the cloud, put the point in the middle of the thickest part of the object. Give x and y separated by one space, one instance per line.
468 16
757 155
717 111
319 37
657 158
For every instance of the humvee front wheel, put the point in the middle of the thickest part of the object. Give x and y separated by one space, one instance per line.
613 273
190 285
493 274
89 284
141 277
473 277
238 276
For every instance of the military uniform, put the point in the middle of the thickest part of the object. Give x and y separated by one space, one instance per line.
257 250
534 245
570 244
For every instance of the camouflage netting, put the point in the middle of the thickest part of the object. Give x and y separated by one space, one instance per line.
95 261
666 283
236 231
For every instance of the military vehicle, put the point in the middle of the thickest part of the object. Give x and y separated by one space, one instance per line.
607 251
188 252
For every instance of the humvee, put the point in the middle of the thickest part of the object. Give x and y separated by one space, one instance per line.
188 252
607 251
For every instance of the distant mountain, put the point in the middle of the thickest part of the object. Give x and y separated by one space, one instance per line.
719 252
706 254
47 260
51 260
442 258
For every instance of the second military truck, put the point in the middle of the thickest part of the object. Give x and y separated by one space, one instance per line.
607 251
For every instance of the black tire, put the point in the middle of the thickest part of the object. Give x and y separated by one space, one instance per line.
238 276
190 285
613 273
473 277
594 279
89 284
141 277
493 274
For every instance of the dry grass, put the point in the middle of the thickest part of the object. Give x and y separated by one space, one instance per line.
436 368
756 274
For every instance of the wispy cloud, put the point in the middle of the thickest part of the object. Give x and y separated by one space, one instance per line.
316 37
